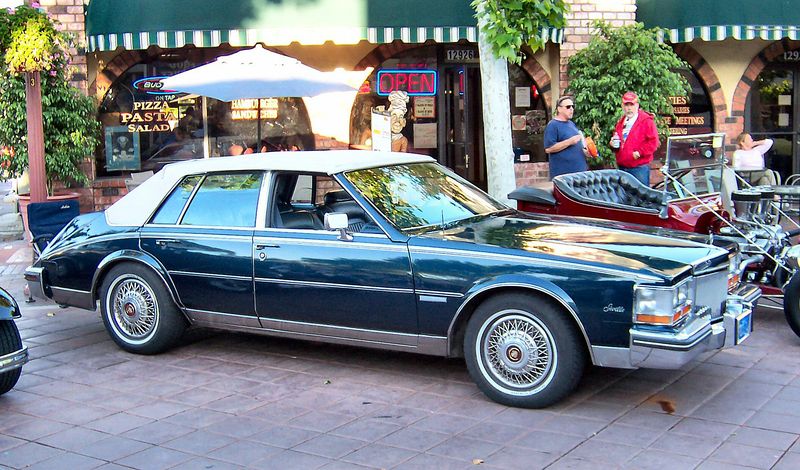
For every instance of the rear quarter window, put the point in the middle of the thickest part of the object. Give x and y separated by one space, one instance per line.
225 200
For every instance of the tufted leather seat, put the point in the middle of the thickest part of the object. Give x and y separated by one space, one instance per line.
613 188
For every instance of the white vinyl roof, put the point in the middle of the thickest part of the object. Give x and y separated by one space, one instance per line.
135 207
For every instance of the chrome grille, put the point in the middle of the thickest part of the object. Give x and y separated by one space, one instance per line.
711 291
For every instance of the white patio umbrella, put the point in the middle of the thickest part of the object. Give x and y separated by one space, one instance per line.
253 74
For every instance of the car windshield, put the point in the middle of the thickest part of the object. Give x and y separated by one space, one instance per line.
422 195
695 161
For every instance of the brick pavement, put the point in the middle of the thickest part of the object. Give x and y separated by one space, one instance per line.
224 400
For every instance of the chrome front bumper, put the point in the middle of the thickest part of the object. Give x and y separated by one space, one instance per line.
674 349
14 360
35 285
671 350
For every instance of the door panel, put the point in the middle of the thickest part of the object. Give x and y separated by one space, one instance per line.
312 277
463 123
774 115
211 268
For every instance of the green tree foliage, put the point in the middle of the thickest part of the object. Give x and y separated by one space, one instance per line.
511 24
30 42
617 60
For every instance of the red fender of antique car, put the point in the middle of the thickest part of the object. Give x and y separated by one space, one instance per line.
616 195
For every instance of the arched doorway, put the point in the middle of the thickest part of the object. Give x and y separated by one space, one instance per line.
772 112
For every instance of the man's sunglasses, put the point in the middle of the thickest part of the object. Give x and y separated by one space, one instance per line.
568 106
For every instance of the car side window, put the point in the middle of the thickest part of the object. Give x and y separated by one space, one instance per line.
225 200
172 207
300 202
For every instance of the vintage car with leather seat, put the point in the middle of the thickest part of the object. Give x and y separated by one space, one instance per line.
700 194
393 251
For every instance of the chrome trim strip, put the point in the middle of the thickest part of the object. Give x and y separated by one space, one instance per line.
188 200
310 231
432 298
524 286
335 286
200 236
335 242
212 276
439 293
532 260
674 347
73 291
220 320
263 199
13 360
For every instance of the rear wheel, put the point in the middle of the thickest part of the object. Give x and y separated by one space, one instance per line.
138 311
9 342
791 303
523 351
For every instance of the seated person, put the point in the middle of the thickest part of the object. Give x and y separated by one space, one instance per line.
750 158
235 149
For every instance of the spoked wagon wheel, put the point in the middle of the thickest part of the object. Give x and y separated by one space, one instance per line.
138 311
791 303
10 341
523 351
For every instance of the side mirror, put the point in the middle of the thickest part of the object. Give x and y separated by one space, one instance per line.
338 221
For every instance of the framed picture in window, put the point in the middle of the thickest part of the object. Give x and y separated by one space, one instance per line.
122 149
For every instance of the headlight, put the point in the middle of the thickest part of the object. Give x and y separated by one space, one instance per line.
664 306
733 271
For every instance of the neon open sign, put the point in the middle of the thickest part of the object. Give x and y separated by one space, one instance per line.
414 82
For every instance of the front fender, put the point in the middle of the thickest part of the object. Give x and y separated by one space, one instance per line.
9 310
133 256
519 282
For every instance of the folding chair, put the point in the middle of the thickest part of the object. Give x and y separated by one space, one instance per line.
46 219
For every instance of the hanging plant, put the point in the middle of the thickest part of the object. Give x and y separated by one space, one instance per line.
30 42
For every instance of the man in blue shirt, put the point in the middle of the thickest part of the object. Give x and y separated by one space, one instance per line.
563 142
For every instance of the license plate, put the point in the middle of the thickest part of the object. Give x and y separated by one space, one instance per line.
744 325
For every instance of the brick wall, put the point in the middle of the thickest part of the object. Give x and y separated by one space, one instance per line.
578 31
70 14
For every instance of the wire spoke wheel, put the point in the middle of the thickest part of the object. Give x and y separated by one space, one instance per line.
134 308
517 351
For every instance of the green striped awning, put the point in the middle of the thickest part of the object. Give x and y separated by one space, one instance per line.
741 32
716 20
209 23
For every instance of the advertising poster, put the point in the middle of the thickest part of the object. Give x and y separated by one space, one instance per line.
122 149
425 107
381 131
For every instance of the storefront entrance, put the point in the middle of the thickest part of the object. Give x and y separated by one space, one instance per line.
773 113
462 125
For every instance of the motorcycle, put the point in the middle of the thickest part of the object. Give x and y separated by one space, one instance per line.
13 355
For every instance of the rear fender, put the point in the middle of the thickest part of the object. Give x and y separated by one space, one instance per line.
133 256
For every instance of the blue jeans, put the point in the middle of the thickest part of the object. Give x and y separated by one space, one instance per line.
641 173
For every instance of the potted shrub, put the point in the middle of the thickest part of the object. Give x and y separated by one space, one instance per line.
30 43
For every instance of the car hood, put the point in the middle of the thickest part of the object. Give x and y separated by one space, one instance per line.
629 247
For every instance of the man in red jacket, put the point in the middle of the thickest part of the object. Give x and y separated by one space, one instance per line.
635 139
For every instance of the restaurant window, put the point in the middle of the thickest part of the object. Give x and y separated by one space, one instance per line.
693 112
145 127
528 116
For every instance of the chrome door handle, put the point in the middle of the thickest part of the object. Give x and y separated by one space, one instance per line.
165 241
261 246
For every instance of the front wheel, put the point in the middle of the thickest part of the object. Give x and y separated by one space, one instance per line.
138 311
10 342
523 351
791 303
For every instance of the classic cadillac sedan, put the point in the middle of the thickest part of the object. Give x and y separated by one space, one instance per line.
393 251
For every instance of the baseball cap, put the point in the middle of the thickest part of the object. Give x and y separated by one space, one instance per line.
630 97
